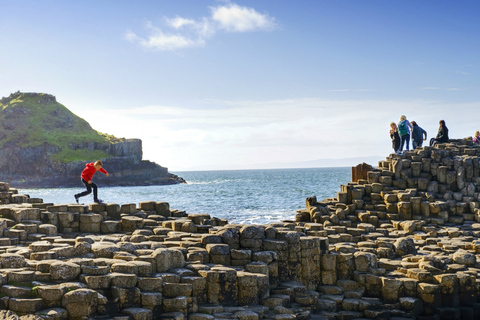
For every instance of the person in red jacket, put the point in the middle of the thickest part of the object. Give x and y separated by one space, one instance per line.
87 175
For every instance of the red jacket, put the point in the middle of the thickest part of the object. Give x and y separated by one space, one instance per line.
89 171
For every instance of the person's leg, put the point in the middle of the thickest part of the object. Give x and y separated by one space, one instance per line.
407 141
95 191
84 193
414 145
402 142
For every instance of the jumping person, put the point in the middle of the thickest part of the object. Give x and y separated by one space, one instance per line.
87 175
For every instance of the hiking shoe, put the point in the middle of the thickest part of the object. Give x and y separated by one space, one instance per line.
76 198
98 201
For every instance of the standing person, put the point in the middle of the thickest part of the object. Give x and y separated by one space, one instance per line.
404 127
418 136
395 137
87 175
442 135
476 138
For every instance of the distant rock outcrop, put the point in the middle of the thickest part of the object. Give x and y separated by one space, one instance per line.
43 144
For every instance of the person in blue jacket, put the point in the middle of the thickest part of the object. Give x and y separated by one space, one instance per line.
404 127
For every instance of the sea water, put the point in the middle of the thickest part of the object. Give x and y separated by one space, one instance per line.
241 196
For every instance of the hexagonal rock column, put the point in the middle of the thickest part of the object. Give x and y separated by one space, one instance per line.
168 258
252 288
219 253
11 260
139 313
23 306
131 223
221 285
65 271
90 222
82 303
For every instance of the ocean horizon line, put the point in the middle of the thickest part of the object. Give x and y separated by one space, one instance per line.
261 169
310 164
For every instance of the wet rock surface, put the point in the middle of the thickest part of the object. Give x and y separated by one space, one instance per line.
400 243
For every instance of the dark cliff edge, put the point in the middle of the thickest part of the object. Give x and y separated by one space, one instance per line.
44 145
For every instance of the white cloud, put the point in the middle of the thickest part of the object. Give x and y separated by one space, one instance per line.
159 40
179 22
350 90
234 18
445 89
187 33
202 28
205 28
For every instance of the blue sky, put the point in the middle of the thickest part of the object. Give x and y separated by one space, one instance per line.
249 84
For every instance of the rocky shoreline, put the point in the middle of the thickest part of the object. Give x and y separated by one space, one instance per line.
400 242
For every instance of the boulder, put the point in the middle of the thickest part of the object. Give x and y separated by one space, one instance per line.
167 259
404 246
82 303
65 271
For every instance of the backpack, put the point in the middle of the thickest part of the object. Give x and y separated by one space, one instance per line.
402 128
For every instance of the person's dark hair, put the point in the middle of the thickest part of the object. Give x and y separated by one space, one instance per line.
442 123
413 123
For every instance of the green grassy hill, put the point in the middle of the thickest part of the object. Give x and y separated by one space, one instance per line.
34 119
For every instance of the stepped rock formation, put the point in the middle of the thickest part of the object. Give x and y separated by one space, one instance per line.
43 144
401 242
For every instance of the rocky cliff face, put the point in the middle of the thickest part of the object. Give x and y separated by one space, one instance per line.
32 167
38 156
129 147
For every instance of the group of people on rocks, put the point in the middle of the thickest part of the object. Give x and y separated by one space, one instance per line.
400 134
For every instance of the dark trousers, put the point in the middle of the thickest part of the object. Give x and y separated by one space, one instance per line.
404 139
89 190
417 144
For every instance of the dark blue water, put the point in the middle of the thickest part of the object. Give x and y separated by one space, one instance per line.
244 196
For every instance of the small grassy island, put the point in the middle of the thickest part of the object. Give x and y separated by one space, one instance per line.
44 144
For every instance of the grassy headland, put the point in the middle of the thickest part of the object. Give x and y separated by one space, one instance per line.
35 119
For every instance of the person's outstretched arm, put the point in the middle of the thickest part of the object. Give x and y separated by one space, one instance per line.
103 171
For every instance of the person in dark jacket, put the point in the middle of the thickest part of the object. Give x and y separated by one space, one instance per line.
418 135
395 137
442 135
